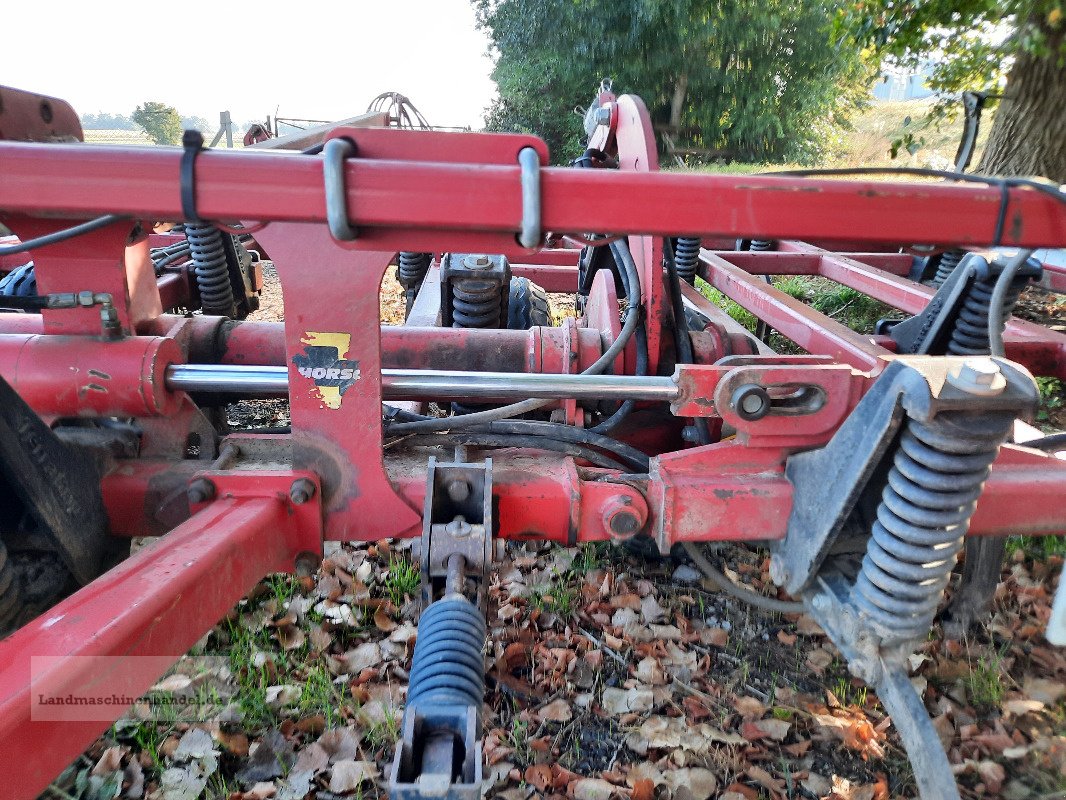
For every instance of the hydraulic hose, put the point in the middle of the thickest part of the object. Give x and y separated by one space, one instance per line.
629 326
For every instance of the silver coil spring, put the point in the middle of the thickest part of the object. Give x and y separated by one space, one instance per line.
970 335
475 304
212 272
933 485
448 667
948 261
761 245
687 257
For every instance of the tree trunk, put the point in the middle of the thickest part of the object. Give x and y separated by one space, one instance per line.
1027 135
677 102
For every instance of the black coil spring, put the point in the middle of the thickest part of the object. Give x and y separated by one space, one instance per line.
212 272
970 335
411 268
761 245
925 509
687 257
948 261
448 667
10 595
475 304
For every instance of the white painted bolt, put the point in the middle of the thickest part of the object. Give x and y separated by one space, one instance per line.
980 376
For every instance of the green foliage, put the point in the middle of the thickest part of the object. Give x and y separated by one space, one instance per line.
973 42
1052 397
160 121
753 80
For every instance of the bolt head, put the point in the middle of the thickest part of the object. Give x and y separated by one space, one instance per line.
603 115
301 491
477 262
978 376
624 524
458 490
820 603
201 490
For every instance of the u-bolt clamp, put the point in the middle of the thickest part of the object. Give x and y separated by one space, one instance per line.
529 161
334 154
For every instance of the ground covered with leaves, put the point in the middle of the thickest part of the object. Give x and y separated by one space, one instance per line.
609 676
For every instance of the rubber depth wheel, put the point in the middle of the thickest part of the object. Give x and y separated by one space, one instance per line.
527 305
20 282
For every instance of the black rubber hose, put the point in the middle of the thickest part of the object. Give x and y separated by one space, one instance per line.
548 430
63 235
682 342
629 326
623 411
476 439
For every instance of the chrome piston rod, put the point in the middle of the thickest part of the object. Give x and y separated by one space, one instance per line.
413 384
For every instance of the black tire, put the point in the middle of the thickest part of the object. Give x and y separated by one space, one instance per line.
527 306
20 282
10 596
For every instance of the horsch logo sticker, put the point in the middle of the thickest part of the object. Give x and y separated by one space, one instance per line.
323 362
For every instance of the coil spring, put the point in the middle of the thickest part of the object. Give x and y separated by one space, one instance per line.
411 268
475 304
761 245
948 261
10 596
970 335
212 272
687 257
448 667
925 509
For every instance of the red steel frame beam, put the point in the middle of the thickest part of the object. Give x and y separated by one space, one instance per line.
393 200
146 612
1041 349
814 332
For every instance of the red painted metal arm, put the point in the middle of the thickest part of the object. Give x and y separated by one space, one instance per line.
143 614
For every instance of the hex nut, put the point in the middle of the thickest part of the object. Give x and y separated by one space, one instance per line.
201 490
301 491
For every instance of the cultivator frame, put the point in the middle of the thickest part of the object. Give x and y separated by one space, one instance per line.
231 508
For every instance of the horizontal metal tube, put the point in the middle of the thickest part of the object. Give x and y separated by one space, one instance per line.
411 383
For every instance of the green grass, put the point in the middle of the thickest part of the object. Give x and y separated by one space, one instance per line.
1039 548
384 732
985 685
402 580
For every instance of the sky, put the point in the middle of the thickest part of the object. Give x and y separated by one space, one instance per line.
321 60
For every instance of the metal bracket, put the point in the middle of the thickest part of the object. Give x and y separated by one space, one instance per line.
458 519
929 331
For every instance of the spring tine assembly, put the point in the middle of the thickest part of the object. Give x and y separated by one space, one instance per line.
439 754
922 440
